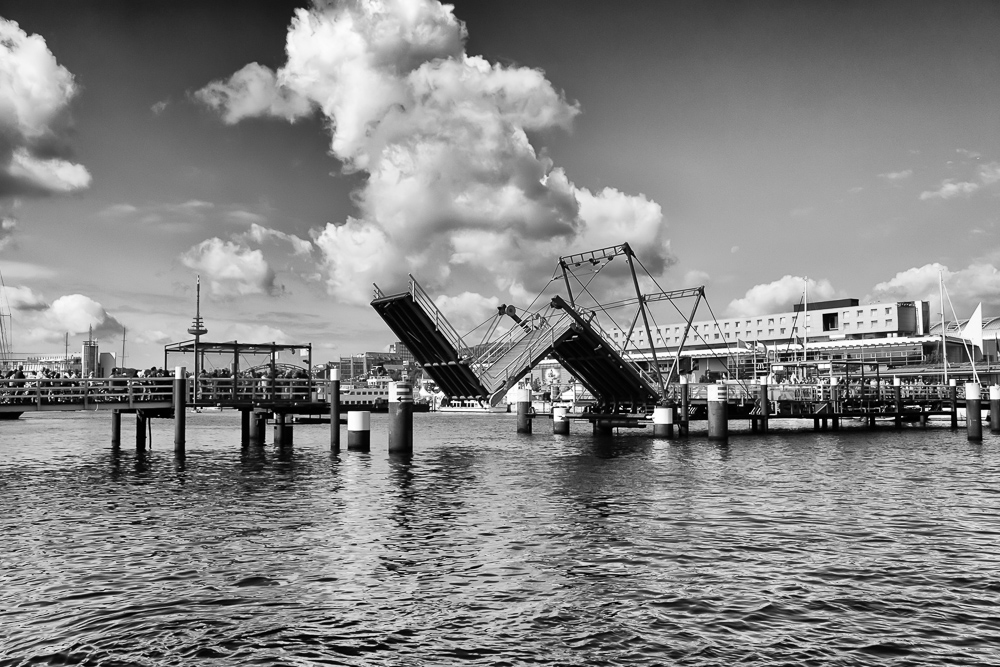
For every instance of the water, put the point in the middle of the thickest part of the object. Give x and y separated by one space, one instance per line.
489 548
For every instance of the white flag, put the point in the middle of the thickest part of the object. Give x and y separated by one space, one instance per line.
973 331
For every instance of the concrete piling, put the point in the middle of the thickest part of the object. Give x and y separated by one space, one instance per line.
995 409
245 415
897 397
359 437
765 405
334 396
973 411
718 404
523 397
283 436
663 422
180 409
400 418
560 421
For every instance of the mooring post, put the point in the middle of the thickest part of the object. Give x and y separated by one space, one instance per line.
258 427
765 405
953 396
718 409
359 426
995 409
603 427
180 408
282 430
685 421
245 422
835 403
140 431
254 428
897 397
560 421
523 410
400 418
334 396
116 429
973 411
663 422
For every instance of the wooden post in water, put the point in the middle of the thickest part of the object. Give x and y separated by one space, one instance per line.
282 430
953 397
685 421
245 414
140 431
334 396
897 397
995 409
663 422
359 435
523 410
560 421
765 405
973 411
180 409
400 418
254 429
116 429
718 409
835 403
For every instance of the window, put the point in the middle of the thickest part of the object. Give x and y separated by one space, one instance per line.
874 324
770 332
770 321
716 336
861 313
847 325
782 331
888 311
727 335
830 322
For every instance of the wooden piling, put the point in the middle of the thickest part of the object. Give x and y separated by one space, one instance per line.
140 431
116 429
180 409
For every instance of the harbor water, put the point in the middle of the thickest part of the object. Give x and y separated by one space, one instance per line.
490 548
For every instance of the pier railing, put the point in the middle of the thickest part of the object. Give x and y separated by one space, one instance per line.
819 393
596 326
83 393
497 366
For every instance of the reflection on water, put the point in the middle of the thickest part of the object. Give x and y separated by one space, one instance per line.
487 547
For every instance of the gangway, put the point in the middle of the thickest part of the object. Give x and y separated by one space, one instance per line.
431 339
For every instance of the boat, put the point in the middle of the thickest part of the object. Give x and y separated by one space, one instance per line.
473 406
373 396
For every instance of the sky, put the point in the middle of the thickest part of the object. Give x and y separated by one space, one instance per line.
291 155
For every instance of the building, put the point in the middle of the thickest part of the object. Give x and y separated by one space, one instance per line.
361 365
891 335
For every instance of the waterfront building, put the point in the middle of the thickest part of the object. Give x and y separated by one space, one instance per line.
890 335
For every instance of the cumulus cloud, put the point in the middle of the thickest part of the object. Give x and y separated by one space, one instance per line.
35 92
8 225
467 310
978 282
990 173
780 295
896 176
159 107
260 234
40 322
230 269
950 189
455 192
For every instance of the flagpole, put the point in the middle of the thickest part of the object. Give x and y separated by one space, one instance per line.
944 342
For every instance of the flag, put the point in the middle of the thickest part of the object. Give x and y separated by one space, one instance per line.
973 331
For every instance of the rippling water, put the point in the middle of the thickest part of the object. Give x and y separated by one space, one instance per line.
496 549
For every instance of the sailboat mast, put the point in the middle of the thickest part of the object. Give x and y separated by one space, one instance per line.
123 345
944 344
805 328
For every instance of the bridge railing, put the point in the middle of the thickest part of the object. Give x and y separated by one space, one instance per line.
820 393
617 347
82 391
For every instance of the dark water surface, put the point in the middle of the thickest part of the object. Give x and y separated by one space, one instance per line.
496 549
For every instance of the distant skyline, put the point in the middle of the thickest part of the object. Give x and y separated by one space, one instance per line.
293 155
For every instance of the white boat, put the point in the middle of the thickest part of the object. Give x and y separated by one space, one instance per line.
471 406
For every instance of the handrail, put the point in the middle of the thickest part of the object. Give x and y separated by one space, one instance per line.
596 326
546 332
441 323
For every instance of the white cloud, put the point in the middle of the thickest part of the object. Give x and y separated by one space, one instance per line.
19 297
467 310
778 296
8 226
972 155
40 323
456 192
695 277
897 176
35 92
159 107
260 234
244 217
229 268
990 173
950 189
979 282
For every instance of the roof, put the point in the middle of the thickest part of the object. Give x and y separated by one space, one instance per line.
232 347
991 326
